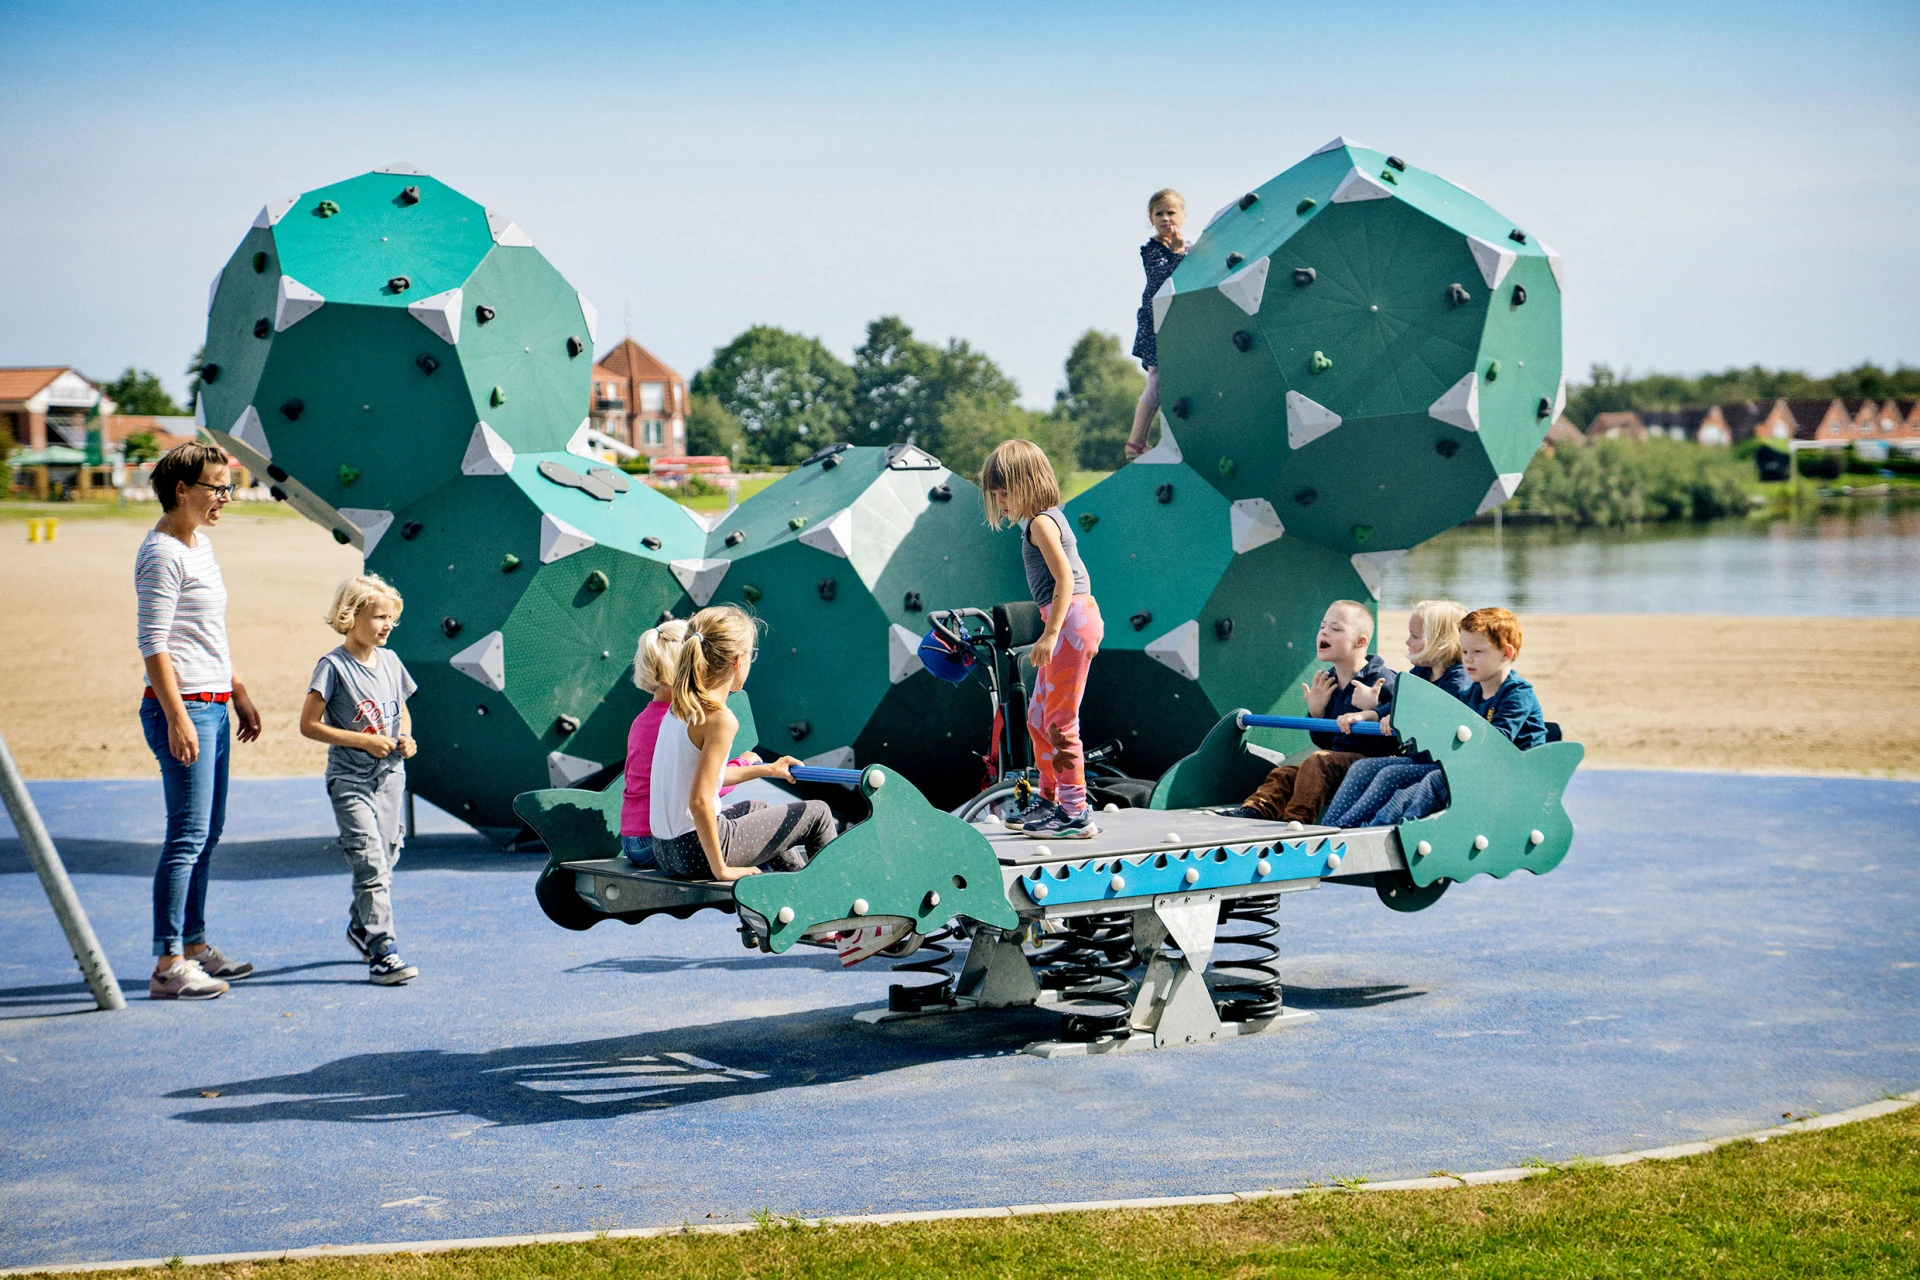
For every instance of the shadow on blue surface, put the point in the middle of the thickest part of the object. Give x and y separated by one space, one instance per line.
270 859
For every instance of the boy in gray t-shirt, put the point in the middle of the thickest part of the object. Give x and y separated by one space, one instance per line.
357 704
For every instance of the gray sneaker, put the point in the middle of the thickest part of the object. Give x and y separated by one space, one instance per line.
184 981
216 965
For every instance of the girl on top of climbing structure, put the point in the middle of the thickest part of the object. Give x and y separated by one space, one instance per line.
1017 484
1160 255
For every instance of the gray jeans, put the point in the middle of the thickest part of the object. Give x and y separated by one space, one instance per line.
752 834
370 837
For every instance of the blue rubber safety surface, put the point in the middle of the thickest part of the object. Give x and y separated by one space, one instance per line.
1716 951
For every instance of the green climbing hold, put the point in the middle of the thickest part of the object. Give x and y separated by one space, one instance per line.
509 562
349 474
1227 467
797 523
1493 370
1305 205
1320 362
326 208
1388 175
597 581
750 593
340 536
498 398
1361 532
1087 521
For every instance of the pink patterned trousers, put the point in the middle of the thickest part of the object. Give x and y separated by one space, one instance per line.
1053 712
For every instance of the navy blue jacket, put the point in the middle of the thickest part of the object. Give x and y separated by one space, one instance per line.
1513 710
1453 680
1371 744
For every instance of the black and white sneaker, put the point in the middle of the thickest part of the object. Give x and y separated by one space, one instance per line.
357 939
390 970
1037 811
1061 825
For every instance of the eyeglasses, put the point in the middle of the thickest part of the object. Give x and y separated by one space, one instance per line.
219 490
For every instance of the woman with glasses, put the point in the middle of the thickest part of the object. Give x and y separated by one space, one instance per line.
190 682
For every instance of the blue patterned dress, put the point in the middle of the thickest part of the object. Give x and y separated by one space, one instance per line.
1159 262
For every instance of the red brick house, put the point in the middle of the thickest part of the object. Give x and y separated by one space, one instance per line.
48 404
640 401
1624 425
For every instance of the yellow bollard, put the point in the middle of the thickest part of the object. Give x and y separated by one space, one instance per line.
53 527
33 531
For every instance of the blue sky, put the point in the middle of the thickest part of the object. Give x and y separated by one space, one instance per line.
1730 184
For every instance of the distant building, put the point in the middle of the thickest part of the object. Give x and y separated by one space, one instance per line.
48 404
640 401
1560 435
1624 425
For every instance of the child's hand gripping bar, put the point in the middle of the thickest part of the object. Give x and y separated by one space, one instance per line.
1247 720
816 773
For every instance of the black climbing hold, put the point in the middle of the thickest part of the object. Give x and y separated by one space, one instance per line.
666 616
1223 628
451 626
399 284
427 363
209 373
798 730
1361 532
651 543
575 346
276 472
340 536
1457 295
737 537
1397 163
564 725
1140 620
829 463
1493 370
1235 259
348 474
1180 408
1519 294
326 208
941 493
484 313
411 530
824 452
1305 204
277 493
597 581
1306 497
827 588
260 263
263 328
1304 276
751 594
1517 236
509 562
1163 494
912 603
1446 448
293 409
1242 340
409 195
1087 521
1249 200
1544 408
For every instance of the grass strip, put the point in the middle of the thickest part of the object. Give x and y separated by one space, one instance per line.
1838 1202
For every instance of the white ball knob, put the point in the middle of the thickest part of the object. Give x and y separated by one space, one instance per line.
876 779
613 893
785 915
1109 807
1463 733
1119 884
1172 837
1294 825
1193 875
1041 851
1333 862
1423 848
933 899
1038 892
1262 867
1479 843
1536 837
859 906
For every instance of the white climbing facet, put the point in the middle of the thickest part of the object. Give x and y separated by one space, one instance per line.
214 288
1307 420
247 429
558 539
505 232
700 578
440 313
1358 186
1167 452
1553 265
1494 262
591 316
402 166
271 212
1179 649
564 770
484 660
1162 299
372 524
834 535
1338 143
200 409
1559 402
1459 406
1245 287
1372 568
487 454
296 302
903 654
1254 523
580 443
1502 488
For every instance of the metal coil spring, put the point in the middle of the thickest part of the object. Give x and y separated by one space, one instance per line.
1246 987
931 959
1087 964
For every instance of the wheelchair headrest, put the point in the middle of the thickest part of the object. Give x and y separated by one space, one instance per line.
1017 625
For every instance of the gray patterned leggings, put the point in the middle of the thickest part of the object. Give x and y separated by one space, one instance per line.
753 833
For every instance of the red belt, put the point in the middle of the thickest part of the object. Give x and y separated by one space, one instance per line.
192 697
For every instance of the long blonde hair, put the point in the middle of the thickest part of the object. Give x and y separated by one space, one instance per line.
1018 469
658 654
1439 634
717 638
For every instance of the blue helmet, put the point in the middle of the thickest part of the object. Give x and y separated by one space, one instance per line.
945 660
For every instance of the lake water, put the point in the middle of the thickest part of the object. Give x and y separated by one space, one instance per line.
1863 563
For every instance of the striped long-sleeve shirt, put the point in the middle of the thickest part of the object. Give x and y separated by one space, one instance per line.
183 611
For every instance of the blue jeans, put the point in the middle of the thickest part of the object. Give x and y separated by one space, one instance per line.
1419 799
1369 785
196 811
639 851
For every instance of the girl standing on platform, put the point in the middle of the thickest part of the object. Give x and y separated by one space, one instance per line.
1159 255
1018 485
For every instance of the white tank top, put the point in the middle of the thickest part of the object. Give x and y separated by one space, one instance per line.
671 780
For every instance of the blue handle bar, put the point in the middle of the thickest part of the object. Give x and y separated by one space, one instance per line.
1311 724
816 773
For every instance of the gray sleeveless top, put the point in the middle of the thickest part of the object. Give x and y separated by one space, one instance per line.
1039 577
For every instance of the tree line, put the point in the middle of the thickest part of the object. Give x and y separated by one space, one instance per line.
1605 391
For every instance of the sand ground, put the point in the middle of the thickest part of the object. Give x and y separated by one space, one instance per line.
1814 695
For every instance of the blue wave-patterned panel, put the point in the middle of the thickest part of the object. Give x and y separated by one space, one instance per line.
1193 870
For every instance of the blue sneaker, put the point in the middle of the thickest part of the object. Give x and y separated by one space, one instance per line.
1037 810
1061 825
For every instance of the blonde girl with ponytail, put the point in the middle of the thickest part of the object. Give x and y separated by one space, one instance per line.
693 837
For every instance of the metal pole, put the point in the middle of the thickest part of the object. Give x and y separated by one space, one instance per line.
53 878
